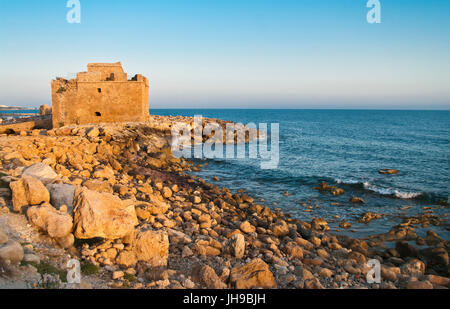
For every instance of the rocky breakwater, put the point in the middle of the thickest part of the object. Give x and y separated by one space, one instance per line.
114 198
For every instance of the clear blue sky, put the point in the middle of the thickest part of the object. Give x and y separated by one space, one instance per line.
227 53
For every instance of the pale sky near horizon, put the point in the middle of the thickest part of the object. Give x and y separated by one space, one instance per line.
236 54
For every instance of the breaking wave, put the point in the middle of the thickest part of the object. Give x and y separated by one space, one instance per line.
383 191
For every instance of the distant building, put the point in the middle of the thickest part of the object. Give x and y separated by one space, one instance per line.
102 94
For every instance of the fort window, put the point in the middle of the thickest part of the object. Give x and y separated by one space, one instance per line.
98 114
99 90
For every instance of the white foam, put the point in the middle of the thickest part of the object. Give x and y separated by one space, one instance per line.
347 181
390 191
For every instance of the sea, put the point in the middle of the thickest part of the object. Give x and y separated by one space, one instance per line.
344 148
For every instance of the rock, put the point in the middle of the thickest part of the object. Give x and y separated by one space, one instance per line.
332 189
293 251
41 171
156 274
438 280
207 247
126 258
388 274
45 110
255 274
105 173
186 252
28 191
436 256
405 249
152 247
188 284
11 253
178 237
236 246
357 200
345 225
316 241
357 256
3 237
66 242
304 243
414 268
166 192
33 258
117 275
93 132
98 185
305 274
419 285
103 215
320 224
246 227
359 246
197 199
326 273
369 216
388 171
155 207
207 276
51 221
61 194
279 228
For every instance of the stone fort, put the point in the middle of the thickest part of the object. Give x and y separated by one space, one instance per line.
102 94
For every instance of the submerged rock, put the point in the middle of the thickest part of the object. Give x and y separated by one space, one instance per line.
388 171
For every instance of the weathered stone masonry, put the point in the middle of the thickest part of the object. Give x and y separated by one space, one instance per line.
102 94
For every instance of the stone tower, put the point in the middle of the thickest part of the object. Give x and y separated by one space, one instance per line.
102 94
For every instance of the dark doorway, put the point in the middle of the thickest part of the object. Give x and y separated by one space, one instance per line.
98 114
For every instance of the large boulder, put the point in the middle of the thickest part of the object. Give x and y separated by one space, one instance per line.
41 171
152 247
255 274
28 191
56 224
103 215
61 194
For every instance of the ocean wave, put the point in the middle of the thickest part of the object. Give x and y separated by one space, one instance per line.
382 191
393 192
347 181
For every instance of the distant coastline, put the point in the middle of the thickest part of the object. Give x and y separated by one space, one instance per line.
15 108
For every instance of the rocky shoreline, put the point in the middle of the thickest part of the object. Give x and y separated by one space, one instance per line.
114 198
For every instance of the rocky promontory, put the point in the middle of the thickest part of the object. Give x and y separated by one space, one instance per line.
113 197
